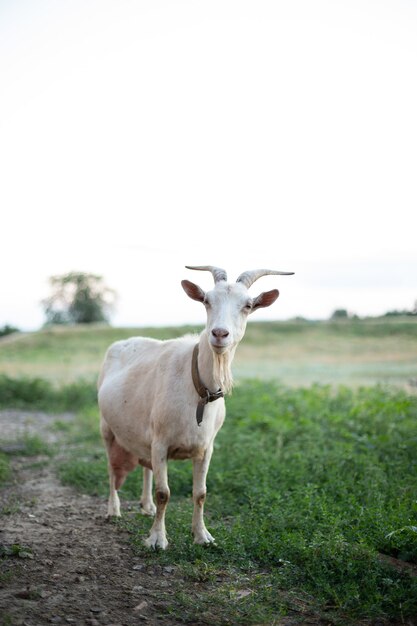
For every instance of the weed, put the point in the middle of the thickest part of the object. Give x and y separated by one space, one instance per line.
16 550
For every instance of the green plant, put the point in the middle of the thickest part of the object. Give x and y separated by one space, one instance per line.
306 488
16 550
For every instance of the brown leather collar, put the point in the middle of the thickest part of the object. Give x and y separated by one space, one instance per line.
203 392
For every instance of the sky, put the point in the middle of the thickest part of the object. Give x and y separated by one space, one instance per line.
140 136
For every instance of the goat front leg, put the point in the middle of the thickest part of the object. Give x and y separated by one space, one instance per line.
157 537
200 469
147 506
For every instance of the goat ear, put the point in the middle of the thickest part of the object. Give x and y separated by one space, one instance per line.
266 298
193 291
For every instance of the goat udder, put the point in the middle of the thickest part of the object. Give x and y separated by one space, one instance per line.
122 463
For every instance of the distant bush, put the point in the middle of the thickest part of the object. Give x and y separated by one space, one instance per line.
396 313
7 330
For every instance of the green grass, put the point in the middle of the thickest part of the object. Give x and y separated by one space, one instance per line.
5 471
311 487
298 353
39 393
307 487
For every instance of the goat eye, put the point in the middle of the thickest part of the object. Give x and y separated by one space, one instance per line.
247 307
206 302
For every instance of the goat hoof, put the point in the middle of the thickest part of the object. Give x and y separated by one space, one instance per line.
204 538
155 541
147 509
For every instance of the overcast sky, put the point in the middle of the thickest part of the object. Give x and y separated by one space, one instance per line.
137 137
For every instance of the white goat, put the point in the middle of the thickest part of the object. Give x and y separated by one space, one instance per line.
162 400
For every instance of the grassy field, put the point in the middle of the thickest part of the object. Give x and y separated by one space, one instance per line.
297 353
312 487
312 500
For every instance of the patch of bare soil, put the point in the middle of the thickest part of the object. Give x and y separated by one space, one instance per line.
61 562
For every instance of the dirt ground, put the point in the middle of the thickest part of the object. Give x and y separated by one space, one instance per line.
78 568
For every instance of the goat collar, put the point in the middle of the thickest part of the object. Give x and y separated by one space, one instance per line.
203 392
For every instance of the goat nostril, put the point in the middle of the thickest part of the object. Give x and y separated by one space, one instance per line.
220 332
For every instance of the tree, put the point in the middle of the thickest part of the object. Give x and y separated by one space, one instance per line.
339 314
8 330
78 298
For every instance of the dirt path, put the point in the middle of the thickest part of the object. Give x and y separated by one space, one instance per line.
77 568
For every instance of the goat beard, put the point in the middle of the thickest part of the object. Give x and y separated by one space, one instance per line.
222 372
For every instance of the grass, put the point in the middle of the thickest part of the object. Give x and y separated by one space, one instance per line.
63 354
29 393
307 488
298 353
4 468
312 487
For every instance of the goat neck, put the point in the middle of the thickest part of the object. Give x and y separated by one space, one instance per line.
215 369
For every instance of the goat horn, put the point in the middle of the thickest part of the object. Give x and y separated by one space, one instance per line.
218 273
248 278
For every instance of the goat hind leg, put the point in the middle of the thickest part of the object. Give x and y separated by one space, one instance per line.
113 507
147 506
157 537
120 463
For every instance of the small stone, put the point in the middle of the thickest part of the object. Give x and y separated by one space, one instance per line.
169 569
138 589
138 567
96 609
141 606
25 594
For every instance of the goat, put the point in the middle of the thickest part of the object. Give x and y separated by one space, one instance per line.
162 400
